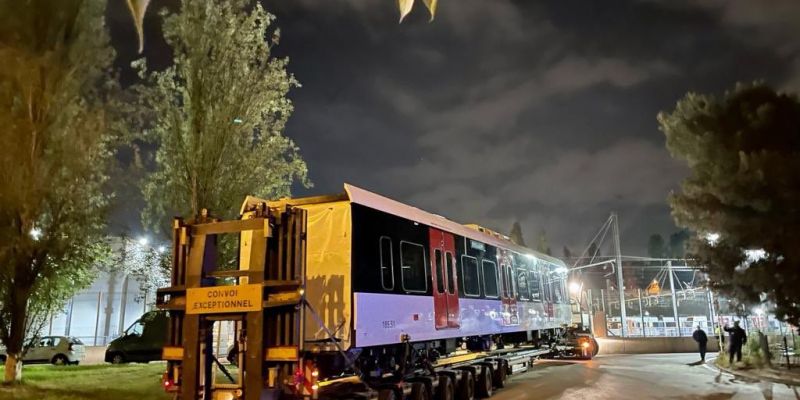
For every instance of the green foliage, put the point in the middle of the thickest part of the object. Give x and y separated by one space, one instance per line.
542 245
743 150
656 247
218 114
55 78
516 234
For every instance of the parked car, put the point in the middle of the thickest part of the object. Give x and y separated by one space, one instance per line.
58 350
142 341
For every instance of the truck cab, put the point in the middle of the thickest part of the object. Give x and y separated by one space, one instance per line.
142 341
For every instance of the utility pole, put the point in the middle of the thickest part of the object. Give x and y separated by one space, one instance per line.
674 300
622 312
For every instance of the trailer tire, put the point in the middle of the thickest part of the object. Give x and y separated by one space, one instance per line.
446 389
465 387
388 394
483 388
500 374
419 391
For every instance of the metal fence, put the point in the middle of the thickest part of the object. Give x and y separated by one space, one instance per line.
98 317
661 300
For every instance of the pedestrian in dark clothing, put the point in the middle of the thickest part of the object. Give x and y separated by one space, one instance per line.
738 337
701 338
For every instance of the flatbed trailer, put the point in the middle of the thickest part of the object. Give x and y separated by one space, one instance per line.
461 370
286 347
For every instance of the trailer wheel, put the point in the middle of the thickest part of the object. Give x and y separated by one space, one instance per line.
595 347
388 394
446 389
500 374
419 391
484 384
465 387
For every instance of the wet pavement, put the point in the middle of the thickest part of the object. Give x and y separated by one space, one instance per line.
643 376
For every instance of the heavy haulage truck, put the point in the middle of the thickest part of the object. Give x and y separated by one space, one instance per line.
355 296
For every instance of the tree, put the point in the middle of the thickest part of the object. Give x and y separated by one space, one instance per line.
743 149
220 111
55 64
567 252
677 244
656 247
516 234
542 245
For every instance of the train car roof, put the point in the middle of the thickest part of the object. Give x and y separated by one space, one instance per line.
375 201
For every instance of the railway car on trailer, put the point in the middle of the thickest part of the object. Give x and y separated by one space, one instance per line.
379 271
390 288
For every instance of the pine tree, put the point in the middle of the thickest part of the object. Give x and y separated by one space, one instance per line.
743 149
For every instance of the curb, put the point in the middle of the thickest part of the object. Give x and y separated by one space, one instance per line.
745 374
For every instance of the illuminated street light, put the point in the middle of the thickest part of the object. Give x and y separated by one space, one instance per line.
712 238
36 233
143 241
162 248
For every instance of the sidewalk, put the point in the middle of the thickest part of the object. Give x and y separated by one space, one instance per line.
782 376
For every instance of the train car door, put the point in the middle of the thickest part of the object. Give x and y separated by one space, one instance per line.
444 277
508 293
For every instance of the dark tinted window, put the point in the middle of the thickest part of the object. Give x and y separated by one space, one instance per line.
489 278
547 283
437 254
522 282
412 266
469 273
451 273
387 265
558 295
535 284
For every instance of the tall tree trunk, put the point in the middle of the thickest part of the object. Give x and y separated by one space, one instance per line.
13 371
16 335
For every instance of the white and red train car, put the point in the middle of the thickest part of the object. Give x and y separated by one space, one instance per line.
380 274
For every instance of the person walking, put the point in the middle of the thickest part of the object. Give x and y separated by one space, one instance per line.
737 337
701 338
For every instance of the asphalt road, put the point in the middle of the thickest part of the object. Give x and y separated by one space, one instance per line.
646 376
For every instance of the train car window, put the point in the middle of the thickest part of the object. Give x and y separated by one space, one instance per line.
437 256
451 273
387 263
535 283
412 267
522 282
556 286
547 284
489 278
469 273
508 281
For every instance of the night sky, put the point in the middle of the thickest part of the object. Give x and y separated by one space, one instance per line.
537 111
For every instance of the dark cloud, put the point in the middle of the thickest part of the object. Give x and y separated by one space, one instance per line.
538 111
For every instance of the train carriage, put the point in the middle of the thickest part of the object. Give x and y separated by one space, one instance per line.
379 271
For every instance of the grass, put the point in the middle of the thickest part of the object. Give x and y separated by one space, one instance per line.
90 382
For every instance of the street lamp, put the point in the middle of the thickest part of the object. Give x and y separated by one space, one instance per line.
36 233
143 241
162 248
575 287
